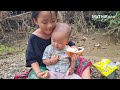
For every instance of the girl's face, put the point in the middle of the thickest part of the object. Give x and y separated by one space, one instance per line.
46 20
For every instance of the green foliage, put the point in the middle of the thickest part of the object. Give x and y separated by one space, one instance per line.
5 49
115 21
111 23
111 19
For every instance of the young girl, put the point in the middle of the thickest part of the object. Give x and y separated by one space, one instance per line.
39 40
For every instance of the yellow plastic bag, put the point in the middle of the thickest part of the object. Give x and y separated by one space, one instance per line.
105 66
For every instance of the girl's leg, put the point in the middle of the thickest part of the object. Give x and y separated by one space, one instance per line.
83 68
86 73
32 74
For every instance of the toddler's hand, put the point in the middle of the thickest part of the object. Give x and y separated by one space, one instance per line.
75 57
54 59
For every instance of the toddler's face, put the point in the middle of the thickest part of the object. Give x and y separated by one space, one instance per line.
58 41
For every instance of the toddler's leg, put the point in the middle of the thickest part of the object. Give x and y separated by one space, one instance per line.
52 75
73 76
60 75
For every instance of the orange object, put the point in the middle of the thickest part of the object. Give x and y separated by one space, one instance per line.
70 51
46 73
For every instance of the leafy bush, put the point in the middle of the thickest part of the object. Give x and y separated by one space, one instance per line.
5 49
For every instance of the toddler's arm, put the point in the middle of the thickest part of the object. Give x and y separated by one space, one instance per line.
72 65
52 60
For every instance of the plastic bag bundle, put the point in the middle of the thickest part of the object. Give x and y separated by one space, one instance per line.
106 67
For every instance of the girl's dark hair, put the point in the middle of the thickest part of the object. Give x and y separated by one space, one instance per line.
36 13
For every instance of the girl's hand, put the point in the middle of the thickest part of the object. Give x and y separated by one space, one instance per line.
43 75
46 75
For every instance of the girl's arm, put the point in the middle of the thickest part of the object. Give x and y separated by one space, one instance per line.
39 74
35 67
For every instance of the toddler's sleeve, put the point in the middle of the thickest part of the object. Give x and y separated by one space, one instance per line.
47 53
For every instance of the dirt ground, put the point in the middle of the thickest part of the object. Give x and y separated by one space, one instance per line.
96 47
